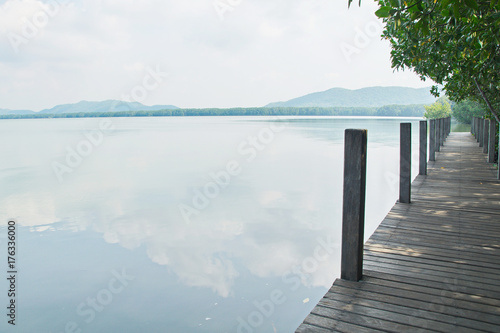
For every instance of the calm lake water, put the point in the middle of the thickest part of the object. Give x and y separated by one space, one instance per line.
223 224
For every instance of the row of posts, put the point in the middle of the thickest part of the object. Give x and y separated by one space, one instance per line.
353 213
485 131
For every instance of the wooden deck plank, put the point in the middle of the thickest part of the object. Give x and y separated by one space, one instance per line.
432 265
436 261
434 289
368 320
390 312
472 310
410 307
441 255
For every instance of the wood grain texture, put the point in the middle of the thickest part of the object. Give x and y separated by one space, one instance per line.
405 163
423 148
492 141
353 211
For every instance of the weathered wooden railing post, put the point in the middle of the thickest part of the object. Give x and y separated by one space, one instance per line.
432 140
486 136
423 148
353 213
478 129
475 127
481 132
498 162
405 163
443 123
492 141
441 128
438 140
438 134
445 127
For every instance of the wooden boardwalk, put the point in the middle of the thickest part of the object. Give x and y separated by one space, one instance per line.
432 265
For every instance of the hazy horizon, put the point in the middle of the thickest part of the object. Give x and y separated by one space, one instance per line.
181 107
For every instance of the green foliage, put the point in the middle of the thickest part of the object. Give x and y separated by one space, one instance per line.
453 42
388 110
440 109
465 110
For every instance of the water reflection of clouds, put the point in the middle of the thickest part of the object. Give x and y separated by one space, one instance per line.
267 221
138 209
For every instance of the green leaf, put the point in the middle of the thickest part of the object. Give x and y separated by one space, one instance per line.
383 11
425 26
495 16
472 4
396 3
456 10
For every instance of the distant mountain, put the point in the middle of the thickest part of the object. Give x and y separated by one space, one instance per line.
8 111
88 107
365 97
105 106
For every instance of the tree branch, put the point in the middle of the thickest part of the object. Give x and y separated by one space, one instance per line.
493 112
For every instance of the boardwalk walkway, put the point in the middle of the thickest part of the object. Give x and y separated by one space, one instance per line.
432 265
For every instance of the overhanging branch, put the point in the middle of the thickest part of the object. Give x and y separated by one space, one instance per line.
483 95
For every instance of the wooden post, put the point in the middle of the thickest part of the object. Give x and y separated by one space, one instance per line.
481 132
472 125
486 136
445 129
478 129
405 163
492 141
476 132
432 140
438 136
441 131
353 213
423 148
438 133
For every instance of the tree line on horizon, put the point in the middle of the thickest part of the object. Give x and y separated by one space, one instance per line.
384 111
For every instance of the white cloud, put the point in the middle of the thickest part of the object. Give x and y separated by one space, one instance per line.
261 52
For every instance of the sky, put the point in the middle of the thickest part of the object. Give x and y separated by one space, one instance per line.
189 53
